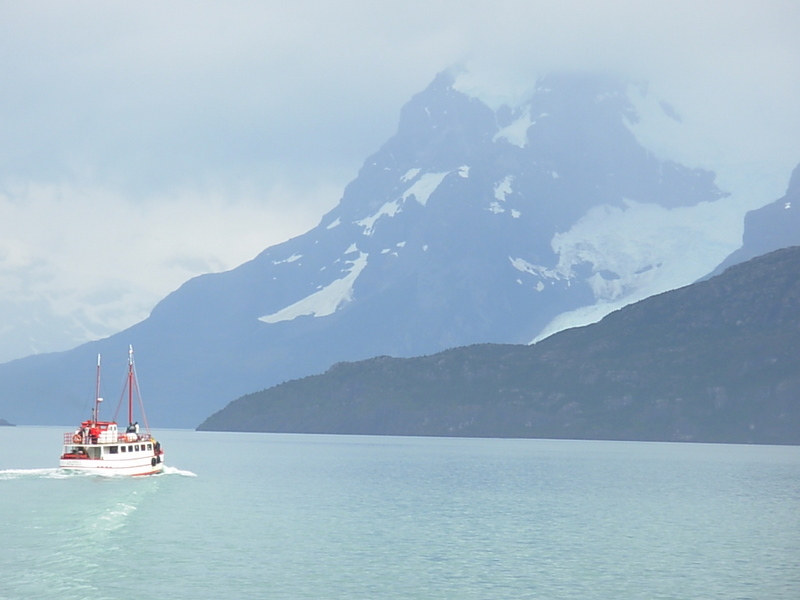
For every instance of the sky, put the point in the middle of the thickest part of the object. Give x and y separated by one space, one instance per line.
143 143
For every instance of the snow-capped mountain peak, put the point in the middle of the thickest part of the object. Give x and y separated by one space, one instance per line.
474 223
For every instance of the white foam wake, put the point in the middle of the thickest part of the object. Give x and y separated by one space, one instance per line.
175 471
58 473
51 473
114 517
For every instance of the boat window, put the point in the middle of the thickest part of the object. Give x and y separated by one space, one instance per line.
149 446
137 447
123 448
130 448
113 449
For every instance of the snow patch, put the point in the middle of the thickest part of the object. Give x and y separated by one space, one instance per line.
327 300
389 209
424 187
523 265
420 190
463 171
291 259
517 132
503 188
336 223
410 174
495 208
393 251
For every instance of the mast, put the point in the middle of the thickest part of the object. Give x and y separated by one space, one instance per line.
97 398
130 384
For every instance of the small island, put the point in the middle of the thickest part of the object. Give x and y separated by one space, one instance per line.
4 423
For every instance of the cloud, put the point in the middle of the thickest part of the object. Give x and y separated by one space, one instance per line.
83 263
148 95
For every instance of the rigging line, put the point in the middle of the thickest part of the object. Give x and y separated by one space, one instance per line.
121 397
139 395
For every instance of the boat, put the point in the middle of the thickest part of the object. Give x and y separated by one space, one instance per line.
102 447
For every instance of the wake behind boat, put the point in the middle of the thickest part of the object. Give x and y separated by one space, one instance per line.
99 446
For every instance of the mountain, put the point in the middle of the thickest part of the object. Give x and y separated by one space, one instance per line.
716 361
470 225
776 225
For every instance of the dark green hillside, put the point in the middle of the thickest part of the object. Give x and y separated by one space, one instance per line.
717 361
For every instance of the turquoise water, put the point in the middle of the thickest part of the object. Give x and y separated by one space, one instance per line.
345 517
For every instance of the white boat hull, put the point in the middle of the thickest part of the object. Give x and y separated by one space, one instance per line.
105 466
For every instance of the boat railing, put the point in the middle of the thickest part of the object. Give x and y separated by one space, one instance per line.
71 438
140 437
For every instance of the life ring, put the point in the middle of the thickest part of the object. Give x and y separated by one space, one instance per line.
153 462
77 438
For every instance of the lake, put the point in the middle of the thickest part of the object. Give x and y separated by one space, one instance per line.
357 517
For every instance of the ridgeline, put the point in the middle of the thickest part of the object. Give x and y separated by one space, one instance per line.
716 361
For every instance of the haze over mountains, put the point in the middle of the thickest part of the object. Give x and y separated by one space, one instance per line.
470 225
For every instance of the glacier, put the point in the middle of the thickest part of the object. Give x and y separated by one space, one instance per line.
639 251
323 302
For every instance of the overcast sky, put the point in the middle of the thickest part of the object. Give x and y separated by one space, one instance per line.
142 143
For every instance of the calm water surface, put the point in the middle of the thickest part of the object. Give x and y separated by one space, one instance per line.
341 517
